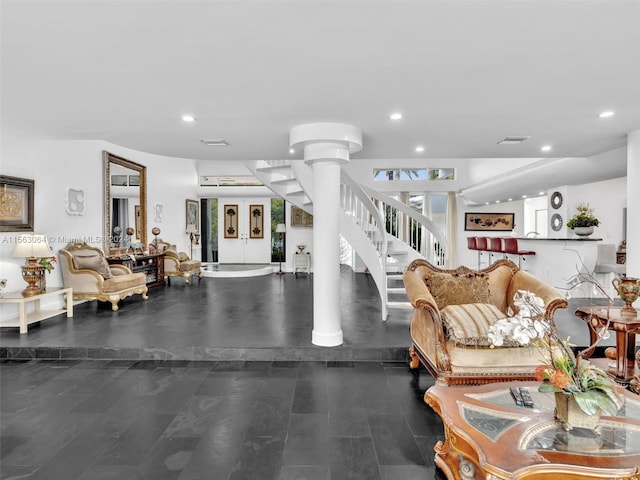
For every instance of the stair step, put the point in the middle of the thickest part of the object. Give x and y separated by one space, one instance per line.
396 252
281 181
400 305
396 290
274 168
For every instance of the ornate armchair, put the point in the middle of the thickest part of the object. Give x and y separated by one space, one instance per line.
85 269
451 310
176 264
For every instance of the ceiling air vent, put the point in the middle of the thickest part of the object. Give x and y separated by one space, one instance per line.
512 140
215 143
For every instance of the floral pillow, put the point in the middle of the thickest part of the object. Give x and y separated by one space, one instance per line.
469 324
451 289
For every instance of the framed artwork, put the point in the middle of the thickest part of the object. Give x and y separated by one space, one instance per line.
16 204
497 222
256 214
193 215
300 218
231 221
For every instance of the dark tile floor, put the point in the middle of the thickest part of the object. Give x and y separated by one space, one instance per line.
163 389
92 419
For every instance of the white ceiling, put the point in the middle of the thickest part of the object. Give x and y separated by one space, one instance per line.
465 74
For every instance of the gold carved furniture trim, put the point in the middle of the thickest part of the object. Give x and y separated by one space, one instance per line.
454 364
88 284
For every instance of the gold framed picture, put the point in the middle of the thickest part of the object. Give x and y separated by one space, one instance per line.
499 222
231 221
300 218
16 204
256 216
193 215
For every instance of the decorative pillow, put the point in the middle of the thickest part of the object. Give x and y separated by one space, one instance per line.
469 324
183 257
93 262
448 289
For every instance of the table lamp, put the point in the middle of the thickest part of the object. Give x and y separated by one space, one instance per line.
281 228
32 246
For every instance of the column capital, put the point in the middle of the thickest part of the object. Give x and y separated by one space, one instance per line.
325 141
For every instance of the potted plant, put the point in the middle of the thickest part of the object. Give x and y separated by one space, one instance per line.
581 389
583 221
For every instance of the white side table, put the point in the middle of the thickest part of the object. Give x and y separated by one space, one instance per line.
301 261
35 314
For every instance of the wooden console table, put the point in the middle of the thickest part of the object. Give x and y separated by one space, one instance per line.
28 316
625 328
488 437
151 265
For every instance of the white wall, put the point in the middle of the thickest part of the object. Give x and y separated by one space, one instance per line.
57 164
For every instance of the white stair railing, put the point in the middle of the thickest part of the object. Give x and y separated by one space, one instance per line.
411 228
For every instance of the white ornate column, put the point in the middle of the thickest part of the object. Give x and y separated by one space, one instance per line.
633 204
326 147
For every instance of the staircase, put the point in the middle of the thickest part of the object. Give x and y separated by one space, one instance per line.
386 244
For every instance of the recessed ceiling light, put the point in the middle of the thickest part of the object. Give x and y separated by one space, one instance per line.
188 118
541 193
511 199
291 150
497 201
524 196
215 143
486 203
513 140
419 149
395 116
607 114
546 148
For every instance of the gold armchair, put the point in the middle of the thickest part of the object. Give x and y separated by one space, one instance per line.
473 299
85 269
176 264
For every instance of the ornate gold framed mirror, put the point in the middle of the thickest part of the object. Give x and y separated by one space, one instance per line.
124 203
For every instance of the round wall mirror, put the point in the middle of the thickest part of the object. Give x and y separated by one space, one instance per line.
556 200
556 222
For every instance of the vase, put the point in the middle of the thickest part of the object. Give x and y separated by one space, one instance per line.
628 289
583 231
570 415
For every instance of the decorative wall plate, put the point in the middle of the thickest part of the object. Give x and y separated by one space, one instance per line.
556 222
556 200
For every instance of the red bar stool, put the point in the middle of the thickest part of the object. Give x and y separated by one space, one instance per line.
495 247
511 247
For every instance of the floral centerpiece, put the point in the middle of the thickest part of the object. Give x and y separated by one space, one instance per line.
571 377
583 221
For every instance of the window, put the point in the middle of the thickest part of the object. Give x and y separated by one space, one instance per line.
390 174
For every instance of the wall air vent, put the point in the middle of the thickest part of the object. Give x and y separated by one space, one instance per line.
215 143
512 140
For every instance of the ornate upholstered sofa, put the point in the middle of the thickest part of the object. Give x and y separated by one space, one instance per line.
85 269
176 264
458 359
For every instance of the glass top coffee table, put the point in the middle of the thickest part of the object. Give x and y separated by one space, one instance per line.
488 436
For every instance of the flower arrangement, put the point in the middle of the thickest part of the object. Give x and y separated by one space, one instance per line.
47 263
583 217
563 372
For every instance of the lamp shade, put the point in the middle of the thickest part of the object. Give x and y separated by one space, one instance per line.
32 245
281 228
191 228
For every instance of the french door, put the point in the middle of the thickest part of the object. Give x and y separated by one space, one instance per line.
244 230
